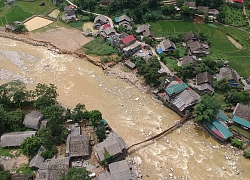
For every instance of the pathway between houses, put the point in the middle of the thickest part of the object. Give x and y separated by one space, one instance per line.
110 20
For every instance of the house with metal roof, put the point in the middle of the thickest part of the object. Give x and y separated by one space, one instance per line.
241 116
13 139
33 120
222 116
118 171
174 90
186 99
37 160
52 169
70 13
123 20
77 146
99 21
113 144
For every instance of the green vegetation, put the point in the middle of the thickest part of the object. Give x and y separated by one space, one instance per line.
221 47
30 146
247 152
237 143
75 174
4 175
25 169
100 47
206 109
171 63
77 24
5 152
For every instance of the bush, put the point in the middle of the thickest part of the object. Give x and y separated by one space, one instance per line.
25 169
236 142
4 175
47 154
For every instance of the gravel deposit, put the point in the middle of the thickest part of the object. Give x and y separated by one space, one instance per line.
5 74
14 57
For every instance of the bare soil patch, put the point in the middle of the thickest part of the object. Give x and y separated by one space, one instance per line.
13 163
37 22
88 26
65 39
237 45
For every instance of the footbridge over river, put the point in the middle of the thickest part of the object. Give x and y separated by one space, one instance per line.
182 120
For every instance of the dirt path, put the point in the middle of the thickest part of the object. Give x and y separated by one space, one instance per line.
234 42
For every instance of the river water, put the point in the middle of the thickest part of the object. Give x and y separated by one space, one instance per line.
134 114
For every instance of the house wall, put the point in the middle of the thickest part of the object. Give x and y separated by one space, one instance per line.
132 51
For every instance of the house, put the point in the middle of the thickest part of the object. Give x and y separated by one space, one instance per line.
173 89
145 54
213 12
197 48
165 46
190 36
113 144
131 49
74 129
123 20
167 82
70 13
203 9
77 146
33 120
118 171
128 40
106 31
104 2
204 82
191 5
44 123
230 75
129 64
9 2
144 30
187 60
52 169
99 21
21 177
13 139
241 116
186 99
37 160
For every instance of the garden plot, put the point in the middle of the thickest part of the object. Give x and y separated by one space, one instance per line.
36 23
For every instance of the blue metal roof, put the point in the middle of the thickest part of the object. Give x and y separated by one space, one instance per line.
159 51
176 88
208 124
241 121
222 116
221 128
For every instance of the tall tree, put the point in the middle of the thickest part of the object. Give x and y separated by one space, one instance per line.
30 146
206 109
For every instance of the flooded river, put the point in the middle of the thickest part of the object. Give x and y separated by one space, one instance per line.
133 114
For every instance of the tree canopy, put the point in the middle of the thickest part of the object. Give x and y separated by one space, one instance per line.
206 109
76 174
4 175
30 146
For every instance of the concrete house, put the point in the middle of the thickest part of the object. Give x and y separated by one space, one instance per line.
188 60
165 46
124 20
77 146
99 21
33 120
241 116
52 169
70 13
118 171
13 139
230 75
114 145
186 99
37 160
204 83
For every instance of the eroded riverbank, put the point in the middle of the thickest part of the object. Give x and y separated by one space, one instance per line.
134 114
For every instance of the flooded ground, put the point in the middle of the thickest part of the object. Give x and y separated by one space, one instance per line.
185 152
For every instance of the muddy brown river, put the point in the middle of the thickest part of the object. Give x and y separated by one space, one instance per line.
134 114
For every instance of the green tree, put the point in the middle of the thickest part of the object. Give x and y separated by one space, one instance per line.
222 85
47 154
101 135
235 97
148 40
20 28
54 114
76 174
185 10
30 146
46 138
206 109
78 114
95 118
4 175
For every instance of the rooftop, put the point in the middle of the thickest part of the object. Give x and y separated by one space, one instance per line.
241 121
176 88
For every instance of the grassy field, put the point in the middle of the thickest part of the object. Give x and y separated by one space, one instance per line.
23 10
221 47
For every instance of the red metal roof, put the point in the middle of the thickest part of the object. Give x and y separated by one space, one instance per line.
71 6
238 1
128 39
106 25
219 134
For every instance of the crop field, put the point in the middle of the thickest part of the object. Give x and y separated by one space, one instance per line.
22 10
221 47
